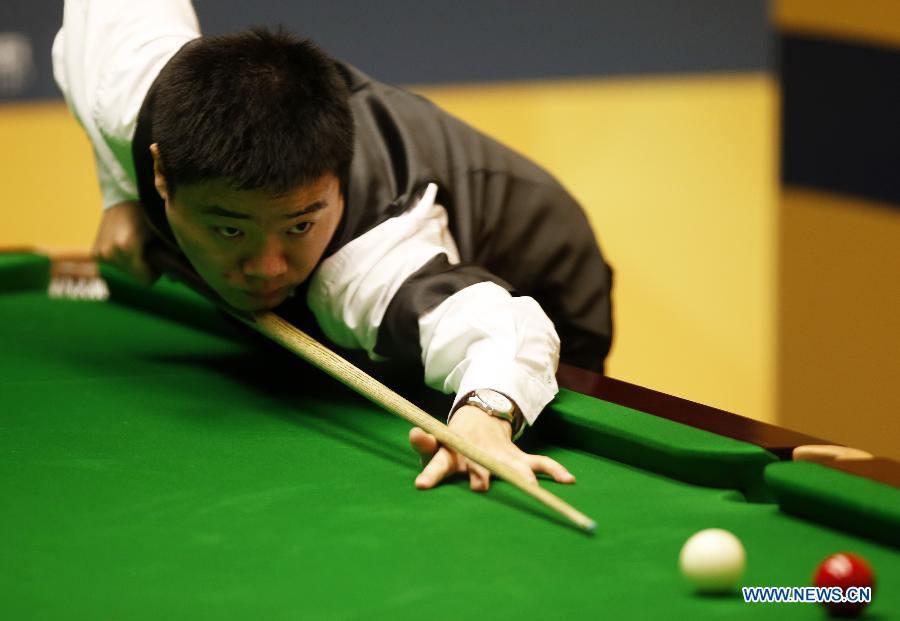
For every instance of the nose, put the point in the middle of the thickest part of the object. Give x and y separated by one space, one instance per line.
267 263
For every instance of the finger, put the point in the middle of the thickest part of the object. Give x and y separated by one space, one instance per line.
479 477
115 256
442 465
101 252
544 465
128 256
525 471
423 443
140 270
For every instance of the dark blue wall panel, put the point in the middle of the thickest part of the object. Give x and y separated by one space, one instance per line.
840 130
425 41
409 41
26 36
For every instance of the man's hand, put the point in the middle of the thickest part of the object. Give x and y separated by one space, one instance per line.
491 434
121 238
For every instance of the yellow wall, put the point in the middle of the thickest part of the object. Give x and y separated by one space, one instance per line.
50 194
839 329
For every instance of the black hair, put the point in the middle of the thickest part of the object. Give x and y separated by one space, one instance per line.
259 109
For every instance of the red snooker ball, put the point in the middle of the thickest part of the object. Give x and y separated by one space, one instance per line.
845 570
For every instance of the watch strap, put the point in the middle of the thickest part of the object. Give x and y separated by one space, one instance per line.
518 419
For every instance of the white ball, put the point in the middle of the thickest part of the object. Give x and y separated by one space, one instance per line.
712 560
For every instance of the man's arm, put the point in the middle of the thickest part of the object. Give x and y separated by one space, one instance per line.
483 337
121 237
399 290
105 57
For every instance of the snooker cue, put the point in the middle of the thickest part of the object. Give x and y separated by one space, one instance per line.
275 328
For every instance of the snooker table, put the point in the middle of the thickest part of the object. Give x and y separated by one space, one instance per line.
158 463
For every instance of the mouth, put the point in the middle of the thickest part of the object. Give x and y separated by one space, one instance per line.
268 294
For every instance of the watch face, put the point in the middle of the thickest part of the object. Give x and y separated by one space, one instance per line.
495 400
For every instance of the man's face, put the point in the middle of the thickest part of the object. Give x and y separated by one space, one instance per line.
254 250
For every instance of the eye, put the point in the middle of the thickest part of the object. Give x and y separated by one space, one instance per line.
229 231
300 228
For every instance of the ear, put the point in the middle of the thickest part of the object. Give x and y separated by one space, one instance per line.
159 179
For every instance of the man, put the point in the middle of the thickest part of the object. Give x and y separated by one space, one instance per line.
292 181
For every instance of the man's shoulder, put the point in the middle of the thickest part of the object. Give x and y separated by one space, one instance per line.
356 79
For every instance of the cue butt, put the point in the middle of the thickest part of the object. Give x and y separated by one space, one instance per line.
828 452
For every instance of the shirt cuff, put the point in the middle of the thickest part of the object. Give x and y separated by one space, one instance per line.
529 393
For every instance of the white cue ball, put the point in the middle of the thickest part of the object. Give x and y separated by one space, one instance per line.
712 560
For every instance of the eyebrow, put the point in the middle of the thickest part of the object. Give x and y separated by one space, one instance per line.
216 210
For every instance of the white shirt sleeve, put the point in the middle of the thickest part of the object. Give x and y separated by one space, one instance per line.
105 57
482 337
479 337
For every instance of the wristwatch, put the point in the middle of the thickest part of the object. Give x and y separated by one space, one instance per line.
495 404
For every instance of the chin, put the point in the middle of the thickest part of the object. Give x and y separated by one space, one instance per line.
247 306
250 305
